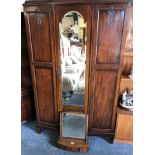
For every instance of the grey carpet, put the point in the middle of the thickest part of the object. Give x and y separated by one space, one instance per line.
44 143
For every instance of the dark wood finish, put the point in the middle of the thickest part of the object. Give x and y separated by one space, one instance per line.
109 36
75 1
60 11
73 109
106 81
106 32
27 108
27 103
39 26
79 145
109 31
42 64
107 67
44 86
25 62
40 36
124 126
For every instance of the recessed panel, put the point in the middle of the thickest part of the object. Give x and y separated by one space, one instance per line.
109 34
40 36
105 84
45 94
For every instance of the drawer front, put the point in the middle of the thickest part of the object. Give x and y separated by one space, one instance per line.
124 127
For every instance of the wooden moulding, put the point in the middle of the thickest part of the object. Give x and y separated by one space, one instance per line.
73 144
74 1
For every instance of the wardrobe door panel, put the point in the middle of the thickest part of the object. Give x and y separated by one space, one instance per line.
110 26
40 33
108 41
106 81
39 27
77 18
44 85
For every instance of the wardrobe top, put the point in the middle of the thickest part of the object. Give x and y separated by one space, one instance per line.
75 1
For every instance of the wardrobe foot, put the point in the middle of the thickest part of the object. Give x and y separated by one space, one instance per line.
38 129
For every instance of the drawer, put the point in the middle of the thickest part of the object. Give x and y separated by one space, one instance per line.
124 127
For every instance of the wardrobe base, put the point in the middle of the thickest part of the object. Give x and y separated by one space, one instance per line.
41 125
73 144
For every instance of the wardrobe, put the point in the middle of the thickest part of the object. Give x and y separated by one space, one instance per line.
103 39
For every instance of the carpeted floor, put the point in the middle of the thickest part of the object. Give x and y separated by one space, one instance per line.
44 143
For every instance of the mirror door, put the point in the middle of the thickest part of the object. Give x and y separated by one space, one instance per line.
73 39
73 47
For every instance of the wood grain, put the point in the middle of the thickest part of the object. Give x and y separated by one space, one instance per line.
104 99
79 145
124 127
45 94
40 36
104 57
108 41
109 36
44 60
75 1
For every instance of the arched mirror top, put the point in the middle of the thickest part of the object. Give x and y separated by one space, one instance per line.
71 23
74 13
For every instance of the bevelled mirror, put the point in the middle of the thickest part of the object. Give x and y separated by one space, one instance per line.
72 28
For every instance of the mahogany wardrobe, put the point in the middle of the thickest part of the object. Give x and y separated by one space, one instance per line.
76 50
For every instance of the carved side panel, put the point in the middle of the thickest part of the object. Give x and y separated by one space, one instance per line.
44 86
109 31
40 36
110 26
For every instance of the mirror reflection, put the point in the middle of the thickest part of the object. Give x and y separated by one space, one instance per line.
74 125
73 58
